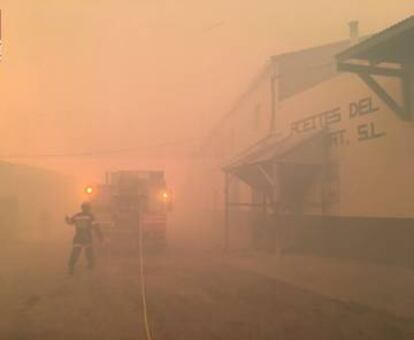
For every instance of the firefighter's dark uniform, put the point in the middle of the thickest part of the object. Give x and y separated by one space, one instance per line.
85 227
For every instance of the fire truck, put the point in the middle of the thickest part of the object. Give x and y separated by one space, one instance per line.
129 203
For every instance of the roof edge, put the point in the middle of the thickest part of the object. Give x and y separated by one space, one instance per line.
372 40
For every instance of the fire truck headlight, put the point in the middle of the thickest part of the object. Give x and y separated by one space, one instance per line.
89 190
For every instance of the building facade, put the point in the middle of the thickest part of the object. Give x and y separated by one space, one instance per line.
316 134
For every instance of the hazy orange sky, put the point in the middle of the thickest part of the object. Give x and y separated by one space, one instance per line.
94 74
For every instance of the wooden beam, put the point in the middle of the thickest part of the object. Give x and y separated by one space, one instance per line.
369 69
269 179
380 92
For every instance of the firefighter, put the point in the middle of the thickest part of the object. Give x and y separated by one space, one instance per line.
85 227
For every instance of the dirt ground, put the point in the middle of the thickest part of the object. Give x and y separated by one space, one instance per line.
192 294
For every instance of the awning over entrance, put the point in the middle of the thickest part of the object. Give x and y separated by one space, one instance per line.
389 53
256 166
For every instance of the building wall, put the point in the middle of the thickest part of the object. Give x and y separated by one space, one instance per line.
248 122
304 69
39 198
370 145
377 240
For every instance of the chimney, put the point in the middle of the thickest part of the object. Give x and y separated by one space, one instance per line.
353 31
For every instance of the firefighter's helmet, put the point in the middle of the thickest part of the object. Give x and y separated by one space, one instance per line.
86 207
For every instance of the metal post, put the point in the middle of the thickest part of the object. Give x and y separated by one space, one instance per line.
264 202
272 103
406 84
324 184
263 226
226 212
